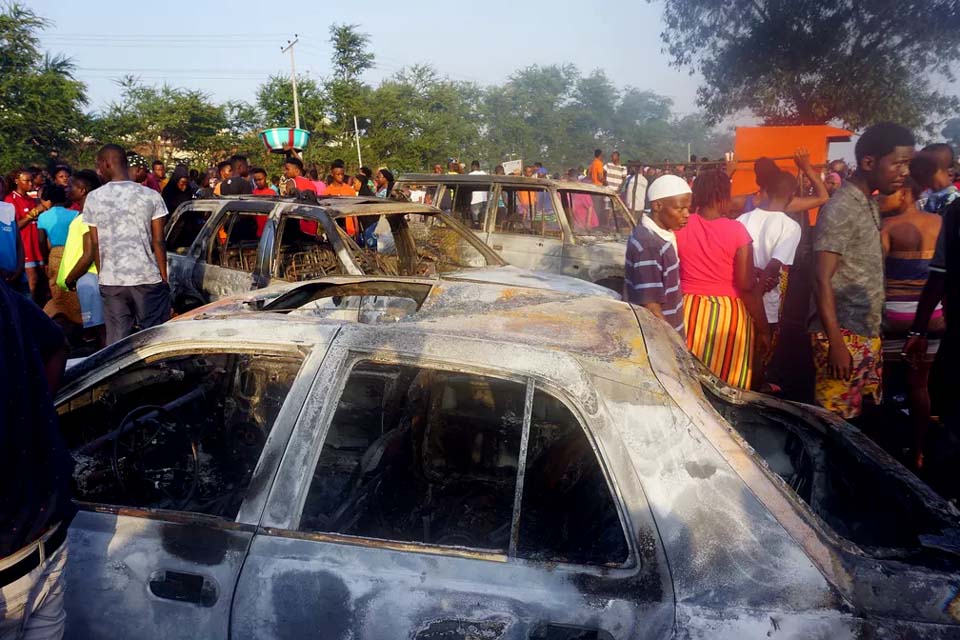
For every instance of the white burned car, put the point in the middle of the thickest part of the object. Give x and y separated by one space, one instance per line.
481 462
551 226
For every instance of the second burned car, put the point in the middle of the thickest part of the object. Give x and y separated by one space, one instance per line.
226 246
553 226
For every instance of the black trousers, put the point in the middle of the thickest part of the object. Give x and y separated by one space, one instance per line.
142 306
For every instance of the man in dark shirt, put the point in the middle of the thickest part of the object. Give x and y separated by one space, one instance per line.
237 183
652 267
35 472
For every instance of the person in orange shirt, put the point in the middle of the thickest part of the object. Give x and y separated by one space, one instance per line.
598 175
339 187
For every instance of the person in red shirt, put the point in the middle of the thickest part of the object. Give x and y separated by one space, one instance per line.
27 210
339 186
260 183
723 310
261 189
293 170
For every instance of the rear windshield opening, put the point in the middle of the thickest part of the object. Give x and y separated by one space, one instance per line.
367 302
862 500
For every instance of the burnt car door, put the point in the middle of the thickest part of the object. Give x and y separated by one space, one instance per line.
184 249
525 229
397 514
235 252
174 449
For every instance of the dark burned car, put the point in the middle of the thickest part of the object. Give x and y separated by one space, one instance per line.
563 227
224 246
482 462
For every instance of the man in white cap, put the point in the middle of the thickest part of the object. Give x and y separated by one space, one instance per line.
652 272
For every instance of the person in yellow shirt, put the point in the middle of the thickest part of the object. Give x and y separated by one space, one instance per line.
78 269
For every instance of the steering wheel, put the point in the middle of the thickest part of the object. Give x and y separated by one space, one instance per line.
142 457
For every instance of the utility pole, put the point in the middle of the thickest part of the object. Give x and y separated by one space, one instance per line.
293 79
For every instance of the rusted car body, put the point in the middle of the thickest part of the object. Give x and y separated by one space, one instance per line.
484 462
570 228
224 246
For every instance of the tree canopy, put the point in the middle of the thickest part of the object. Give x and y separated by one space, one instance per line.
812 62
41 103
408 121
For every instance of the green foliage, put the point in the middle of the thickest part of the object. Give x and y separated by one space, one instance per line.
164 120
351 54
274 103
410 121
812 62
40 100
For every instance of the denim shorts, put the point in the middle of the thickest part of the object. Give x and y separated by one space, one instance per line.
91 304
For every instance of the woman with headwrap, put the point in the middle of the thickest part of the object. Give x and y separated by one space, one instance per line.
177 190
384 183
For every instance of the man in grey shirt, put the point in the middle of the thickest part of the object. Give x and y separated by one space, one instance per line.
126 225
848 285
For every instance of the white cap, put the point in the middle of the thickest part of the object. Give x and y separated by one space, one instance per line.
666 187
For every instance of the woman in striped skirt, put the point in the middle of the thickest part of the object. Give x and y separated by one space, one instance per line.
722 307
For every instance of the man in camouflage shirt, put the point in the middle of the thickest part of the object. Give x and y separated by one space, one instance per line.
848 287
126 224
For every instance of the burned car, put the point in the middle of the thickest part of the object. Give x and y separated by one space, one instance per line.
484 462
223 246
564 227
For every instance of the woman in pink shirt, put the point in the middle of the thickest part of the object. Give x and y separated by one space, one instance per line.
721 303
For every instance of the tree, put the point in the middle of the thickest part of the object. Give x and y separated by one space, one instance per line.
40 100
812 62
351 58
351 54
275 103
166 121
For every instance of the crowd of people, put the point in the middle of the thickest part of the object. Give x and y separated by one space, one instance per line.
870 252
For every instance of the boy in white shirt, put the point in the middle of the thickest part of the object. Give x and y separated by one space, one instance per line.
775 239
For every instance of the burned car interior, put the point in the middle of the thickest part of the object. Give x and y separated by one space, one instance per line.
182 433
413 245
434 457
305 252
863 501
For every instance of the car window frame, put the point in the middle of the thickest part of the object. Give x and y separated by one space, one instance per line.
247 517
311 214
347 359
493 211
196 248
574 237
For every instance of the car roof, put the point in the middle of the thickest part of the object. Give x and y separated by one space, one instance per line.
493 179
601 328
333 206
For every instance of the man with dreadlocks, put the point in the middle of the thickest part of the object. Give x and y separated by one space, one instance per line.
723 312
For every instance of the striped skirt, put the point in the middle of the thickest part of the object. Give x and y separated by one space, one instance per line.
720 334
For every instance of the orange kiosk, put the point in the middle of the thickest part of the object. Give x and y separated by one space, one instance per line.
779 144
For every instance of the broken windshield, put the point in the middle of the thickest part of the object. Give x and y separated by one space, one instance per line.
416 245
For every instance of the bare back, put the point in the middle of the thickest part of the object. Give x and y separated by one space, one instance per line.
911 235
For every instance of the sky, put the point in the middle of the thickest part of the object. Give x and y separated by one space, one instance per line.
228 49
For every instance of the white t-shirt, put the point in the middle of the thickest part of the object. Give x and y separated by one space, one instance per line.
775 237
123 214
478 196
